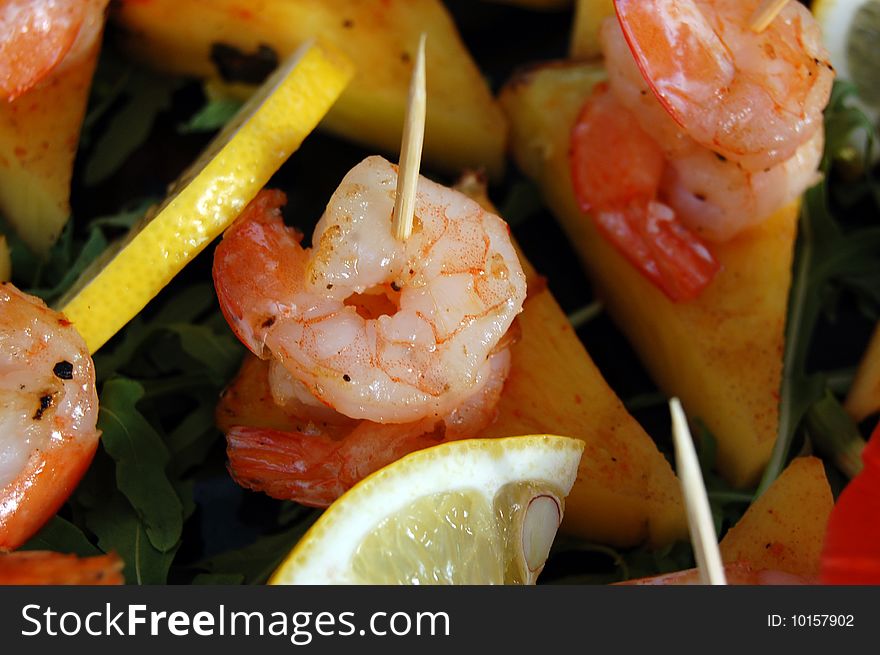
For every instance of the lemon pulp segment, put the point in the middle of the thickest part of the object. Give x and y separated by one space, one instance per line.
483 511
440 539
211 194
458 537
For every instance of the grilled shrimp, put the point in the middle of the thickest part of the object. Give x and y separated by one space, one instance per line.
39 35
617 170
48 413
371 327
322 453
713 194
753 98
708 129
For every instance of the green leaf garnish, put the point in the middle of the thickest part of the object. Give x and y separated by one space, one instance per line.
145 95
256 562
62 536
835 435
141 460
120 530
212 116
829 258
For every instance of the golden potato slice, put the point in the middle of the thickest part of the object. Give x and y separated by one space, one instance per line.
39 133
785 528
722 353
234 40
625 493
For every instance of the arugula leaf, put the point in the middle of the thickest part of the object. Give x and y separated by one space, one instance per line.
176 339
187 305
212 116
62 536
842 121
825 256
835 434
522 201
146 95
191 440
119 530
141 459
256 562
219 355
828 259
52 277
611 565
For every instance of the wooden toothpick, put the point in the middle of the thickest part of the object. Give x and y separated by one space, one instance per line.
700 524
411 149
765 13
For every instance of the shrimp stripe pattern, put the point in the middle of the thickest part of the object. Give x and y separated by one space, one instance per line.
315 470
49 414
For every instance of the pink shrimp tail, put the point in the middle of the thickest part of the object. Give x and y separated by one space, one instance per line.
616 170
309 469
286 465
852 544
47 568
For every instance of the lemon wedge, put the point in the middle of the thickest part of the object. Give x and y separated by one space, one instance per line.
482 511
851 30
210 194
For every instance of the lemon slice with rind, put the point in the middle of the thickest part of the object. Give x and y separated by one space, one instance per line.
210 194
482 511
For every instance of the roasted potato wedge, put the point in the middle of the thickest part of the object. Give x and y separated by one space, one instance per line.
39 133
785 528
722 353
238 41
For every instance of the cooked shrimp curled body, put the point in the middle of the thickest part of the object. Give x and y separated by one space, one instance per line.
370 326
49 413
736 115
753 98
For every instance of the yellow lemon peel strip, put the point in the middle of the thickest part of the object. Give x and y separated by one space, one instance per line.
212 193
